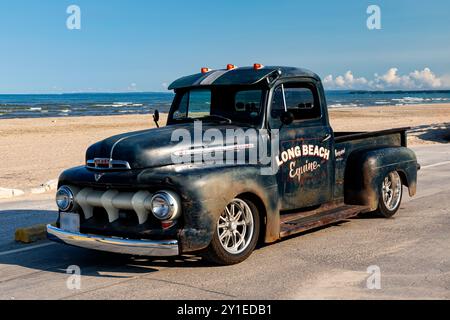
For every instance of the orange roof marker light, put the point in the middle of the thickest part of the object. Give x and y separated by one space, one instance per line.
258 66
231 66
205 70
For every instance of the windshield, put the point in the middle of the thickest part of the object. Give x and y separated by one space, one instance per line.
219 104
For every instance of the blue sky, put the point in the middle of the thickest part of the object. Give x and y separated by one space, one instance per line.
143 45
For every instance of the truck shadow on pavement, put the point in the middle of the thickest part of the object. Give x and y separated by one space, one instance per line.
311 231
57 258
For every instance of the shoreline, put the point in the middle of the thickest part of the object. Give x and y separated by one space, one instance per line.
331 108
34 151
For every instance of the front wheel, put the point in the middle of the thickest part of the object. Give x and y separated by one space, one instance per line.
236 233
390 195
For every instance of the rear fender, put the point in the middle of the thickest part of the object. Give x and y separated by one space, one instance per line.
366 169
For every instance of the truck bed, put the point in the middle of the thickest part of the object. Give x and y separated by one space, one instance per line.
340 137
347 142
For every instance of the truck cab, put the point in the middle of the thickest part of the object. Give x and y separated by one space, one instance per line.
247 155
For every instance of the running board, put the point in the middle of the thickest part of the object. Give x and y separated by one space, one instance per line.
290 225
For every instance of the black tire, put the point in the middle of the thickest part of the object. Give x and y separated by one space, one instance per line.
216 254
383 210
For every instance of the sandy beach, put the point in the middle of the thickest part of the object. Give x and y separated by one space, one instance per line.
33 151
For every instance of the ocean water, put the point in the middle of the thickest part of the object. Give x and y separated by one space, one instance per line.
82 104
88 104
337 99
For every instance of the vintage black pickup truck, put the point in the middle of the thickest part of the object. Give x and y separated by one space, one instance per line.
150 193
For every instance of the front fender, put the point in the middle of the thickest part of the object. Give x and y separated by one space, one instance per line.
366 169
205 191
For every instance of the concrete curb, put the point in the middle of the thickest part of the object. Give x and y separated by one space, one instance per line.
6 193
31 234
45 187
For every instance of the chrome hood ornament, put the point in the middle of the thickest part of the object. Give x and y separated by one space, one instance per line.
98 176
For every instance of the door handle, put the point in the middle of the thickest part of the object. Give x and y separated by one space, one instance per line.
326 138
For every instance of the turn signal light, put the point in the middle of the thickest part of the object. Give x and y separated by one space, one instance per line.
205 70
231 66
257 66
167 224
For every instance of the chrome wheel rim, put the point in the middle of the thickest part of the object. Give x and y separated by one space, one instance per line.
392 190
235 227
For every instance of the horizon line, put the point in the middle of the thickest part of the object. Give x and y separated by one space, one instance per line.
171 92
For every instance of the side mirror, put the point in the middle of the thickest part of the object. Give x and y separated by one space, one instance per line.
287 118
156 117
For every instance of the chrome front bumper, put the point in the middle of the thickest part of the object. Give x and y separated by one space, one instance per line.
155 248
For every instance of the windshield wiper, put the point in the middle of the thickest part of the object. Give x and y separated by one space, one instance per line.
218 117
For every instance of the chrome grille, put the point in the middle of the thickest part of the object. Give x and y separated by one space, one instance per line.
113 201
107 164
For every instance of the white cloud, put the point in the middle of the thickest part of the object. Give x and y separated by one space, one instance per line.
427 78
132 87
347 81
445 81
391 80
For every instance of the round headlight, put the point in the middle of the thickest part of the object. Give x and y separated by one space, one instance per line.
165 205
64 198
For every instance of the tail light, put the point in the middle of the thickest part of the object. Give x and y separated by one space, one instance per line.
257 66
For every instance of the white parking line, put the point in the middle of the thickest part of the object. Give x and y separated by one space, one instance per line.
4 253
436 164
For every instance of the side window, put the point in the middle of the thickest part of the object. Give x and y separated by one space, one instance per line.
302 102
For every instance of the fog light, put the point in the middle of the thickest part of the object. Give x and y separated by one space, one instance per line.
165 205
64 198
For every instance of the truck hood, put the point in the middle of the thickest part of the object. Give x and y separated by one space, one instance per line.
154 147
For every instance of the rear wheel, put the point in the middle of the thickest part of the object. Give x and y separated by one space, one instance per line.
390 196
236 233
